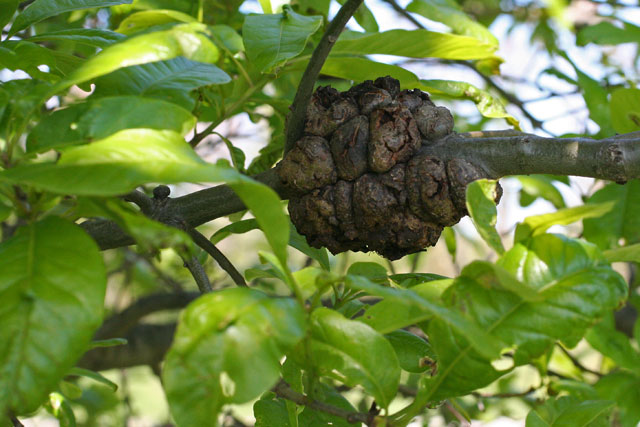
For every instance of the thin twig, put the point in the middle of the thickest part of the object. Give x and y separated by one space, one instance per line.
577 363
16 422
215 253
197 271
295 121
402 11
283 390
505 395
463 421
142 200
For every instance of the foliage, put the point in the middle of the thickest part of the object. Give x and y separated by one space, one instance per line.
103 97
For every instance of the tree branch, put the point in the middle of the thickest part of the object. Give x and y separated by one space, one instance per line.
283 390
197 271
295 121
146 345
499 153
218 256
119 324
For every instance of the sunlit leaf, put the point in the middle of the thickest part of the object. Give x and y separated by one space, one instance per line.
450 13
413 44
170 80
570 411
481 196
185 40
148 18
89 36
353 353
42 9
539 186
539 224
49 310
227 349
271 39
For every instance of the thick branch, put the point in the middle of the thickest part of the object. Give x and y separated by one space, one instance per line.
146 345
499 153
614 159
119 324
295 121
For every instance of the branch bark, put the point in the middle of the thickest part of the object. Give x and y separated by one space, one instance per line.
499 153
295 121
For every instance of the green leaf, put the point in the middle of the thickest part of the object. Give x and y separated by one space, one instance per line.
449 235
625 110
61 409
105 116
236 154
413 44
567 411
270 412
606 33
117 164
238 227
227 349
265 205
354 353
139 21
28 56
81 372
408 280
624 389
266 6
539 224
227 38
488 105
360 69
150 235
329 395
575 288
414 353
270 40
449 13
186 40
621 222
481 196
42 9
58 129
49 310
170 80
596 98
614 344
300 243
403 307
371 270
88 36
629 253
539 186
7 9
